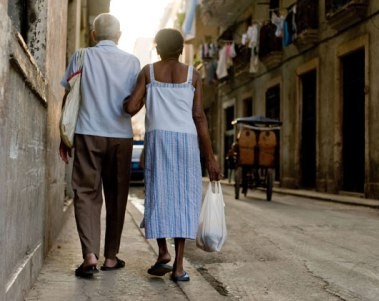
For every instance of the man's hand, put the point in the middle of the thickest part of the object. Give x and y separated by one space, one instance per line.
64 152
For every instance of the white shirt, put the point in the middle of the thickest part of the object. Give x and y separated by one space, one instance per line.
109 75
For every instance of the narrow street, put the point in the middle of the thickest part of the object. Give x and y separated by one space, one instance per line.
289 249
293 248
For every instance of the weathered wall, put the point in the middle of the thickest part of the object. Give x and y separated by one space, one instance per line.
4 36
33 202
32 175
330 41
55 66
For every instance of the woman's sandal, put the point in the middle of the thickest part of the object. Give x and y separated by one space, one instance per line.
184 277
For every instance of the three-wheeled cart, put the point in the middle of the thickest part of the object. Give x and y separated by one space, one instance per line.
256 149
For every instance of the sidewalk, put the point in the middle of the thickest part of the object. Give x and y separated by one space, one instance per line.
57 281
338 198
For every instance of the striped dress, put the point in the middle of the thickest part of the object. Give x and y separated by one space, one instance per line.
172 160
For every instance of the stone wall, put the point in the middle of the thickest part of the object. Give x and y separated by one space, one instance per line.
32 175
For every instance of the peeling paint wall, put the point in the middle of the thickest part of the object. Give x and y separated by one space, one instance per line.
34 49
4 36
31 195
37 17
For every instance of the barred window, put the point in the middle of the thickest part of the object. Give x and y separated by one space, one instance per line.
334 5
29 19
18 12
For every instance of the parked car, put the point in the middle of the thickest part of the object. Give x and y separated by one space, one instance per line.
137 172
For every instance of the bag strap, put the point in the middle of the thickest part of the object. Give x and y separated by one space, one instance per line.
80 58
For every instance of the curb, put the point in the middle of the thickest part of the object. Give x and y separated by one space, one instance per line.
321 196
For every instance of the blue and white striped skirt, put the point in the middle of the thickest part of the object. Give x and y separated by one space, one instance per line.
173 184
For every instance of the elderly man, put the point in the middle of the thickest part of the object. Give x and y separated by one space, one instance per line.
102 145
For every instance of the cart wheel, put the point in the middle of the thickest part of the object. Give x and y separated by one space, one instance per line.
237 182
269 183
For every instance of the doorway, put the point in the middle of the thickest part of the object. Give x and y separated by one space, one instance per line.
247 107
273 111
308 129
228 136
353 121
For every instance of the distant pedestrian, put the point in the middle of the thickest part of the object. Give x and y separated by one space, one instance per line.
175 125
103 144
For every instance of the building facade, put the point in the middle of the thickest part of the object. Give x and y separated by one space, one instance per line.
37 37
310 64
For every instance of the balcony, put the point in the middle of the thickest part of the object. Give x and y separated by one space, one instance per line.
272 59
242 60
270 46
307 14
306 38
223 13
347 14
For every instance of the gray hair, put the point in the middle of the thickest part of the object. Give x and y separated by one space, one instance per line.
106 27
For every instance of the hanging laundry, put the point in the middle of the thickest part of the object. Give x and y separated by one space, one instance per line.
225 61
211 68
289 28
268 41
212 50
253 44
189 24
208 50
278 22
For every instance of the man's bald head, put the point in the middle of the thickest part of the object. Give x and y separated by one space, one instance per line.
106 27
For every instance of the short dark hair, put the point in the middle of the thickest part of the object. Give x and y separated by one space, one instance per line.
169 42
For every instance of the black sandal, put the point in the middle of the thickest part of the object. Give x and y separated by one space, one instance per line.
119 264
86 272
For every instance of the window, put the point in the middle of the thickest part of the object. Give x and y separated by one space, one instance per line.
247 107
334 5
28 43
274 7
29 19
229 117
273 102
18 12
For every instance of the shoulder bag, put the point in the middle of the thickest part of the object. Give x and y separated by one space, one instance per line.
71 106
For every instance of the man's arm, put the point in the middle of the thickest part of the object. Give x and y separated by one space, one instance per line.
64 151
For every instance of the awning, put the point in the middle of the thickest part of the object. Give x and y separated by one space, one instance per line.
257 121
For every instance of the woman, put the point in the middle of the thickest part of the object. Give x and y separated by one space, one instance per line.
175 125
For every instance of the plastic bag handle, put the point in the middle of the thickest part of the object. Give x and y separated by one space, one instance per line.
217 188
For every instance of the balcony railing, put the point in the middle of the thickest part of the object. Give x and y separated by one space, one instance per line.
270 46
343 13
307 23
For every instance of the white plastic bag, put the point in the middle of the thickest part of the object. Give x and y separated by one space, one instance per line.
212 233
71 107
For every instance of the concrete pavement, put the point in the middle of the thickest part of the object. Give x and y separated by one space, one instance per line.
57 281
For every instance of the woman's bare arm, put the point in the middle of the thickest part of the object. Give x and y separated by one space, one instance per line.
135 101
202 130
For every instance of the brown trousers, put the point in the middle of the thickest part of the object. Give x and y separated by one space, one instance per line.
101 163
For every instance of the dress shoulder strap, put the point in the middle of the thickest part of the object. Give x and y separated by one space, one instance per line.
190 74
151 73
